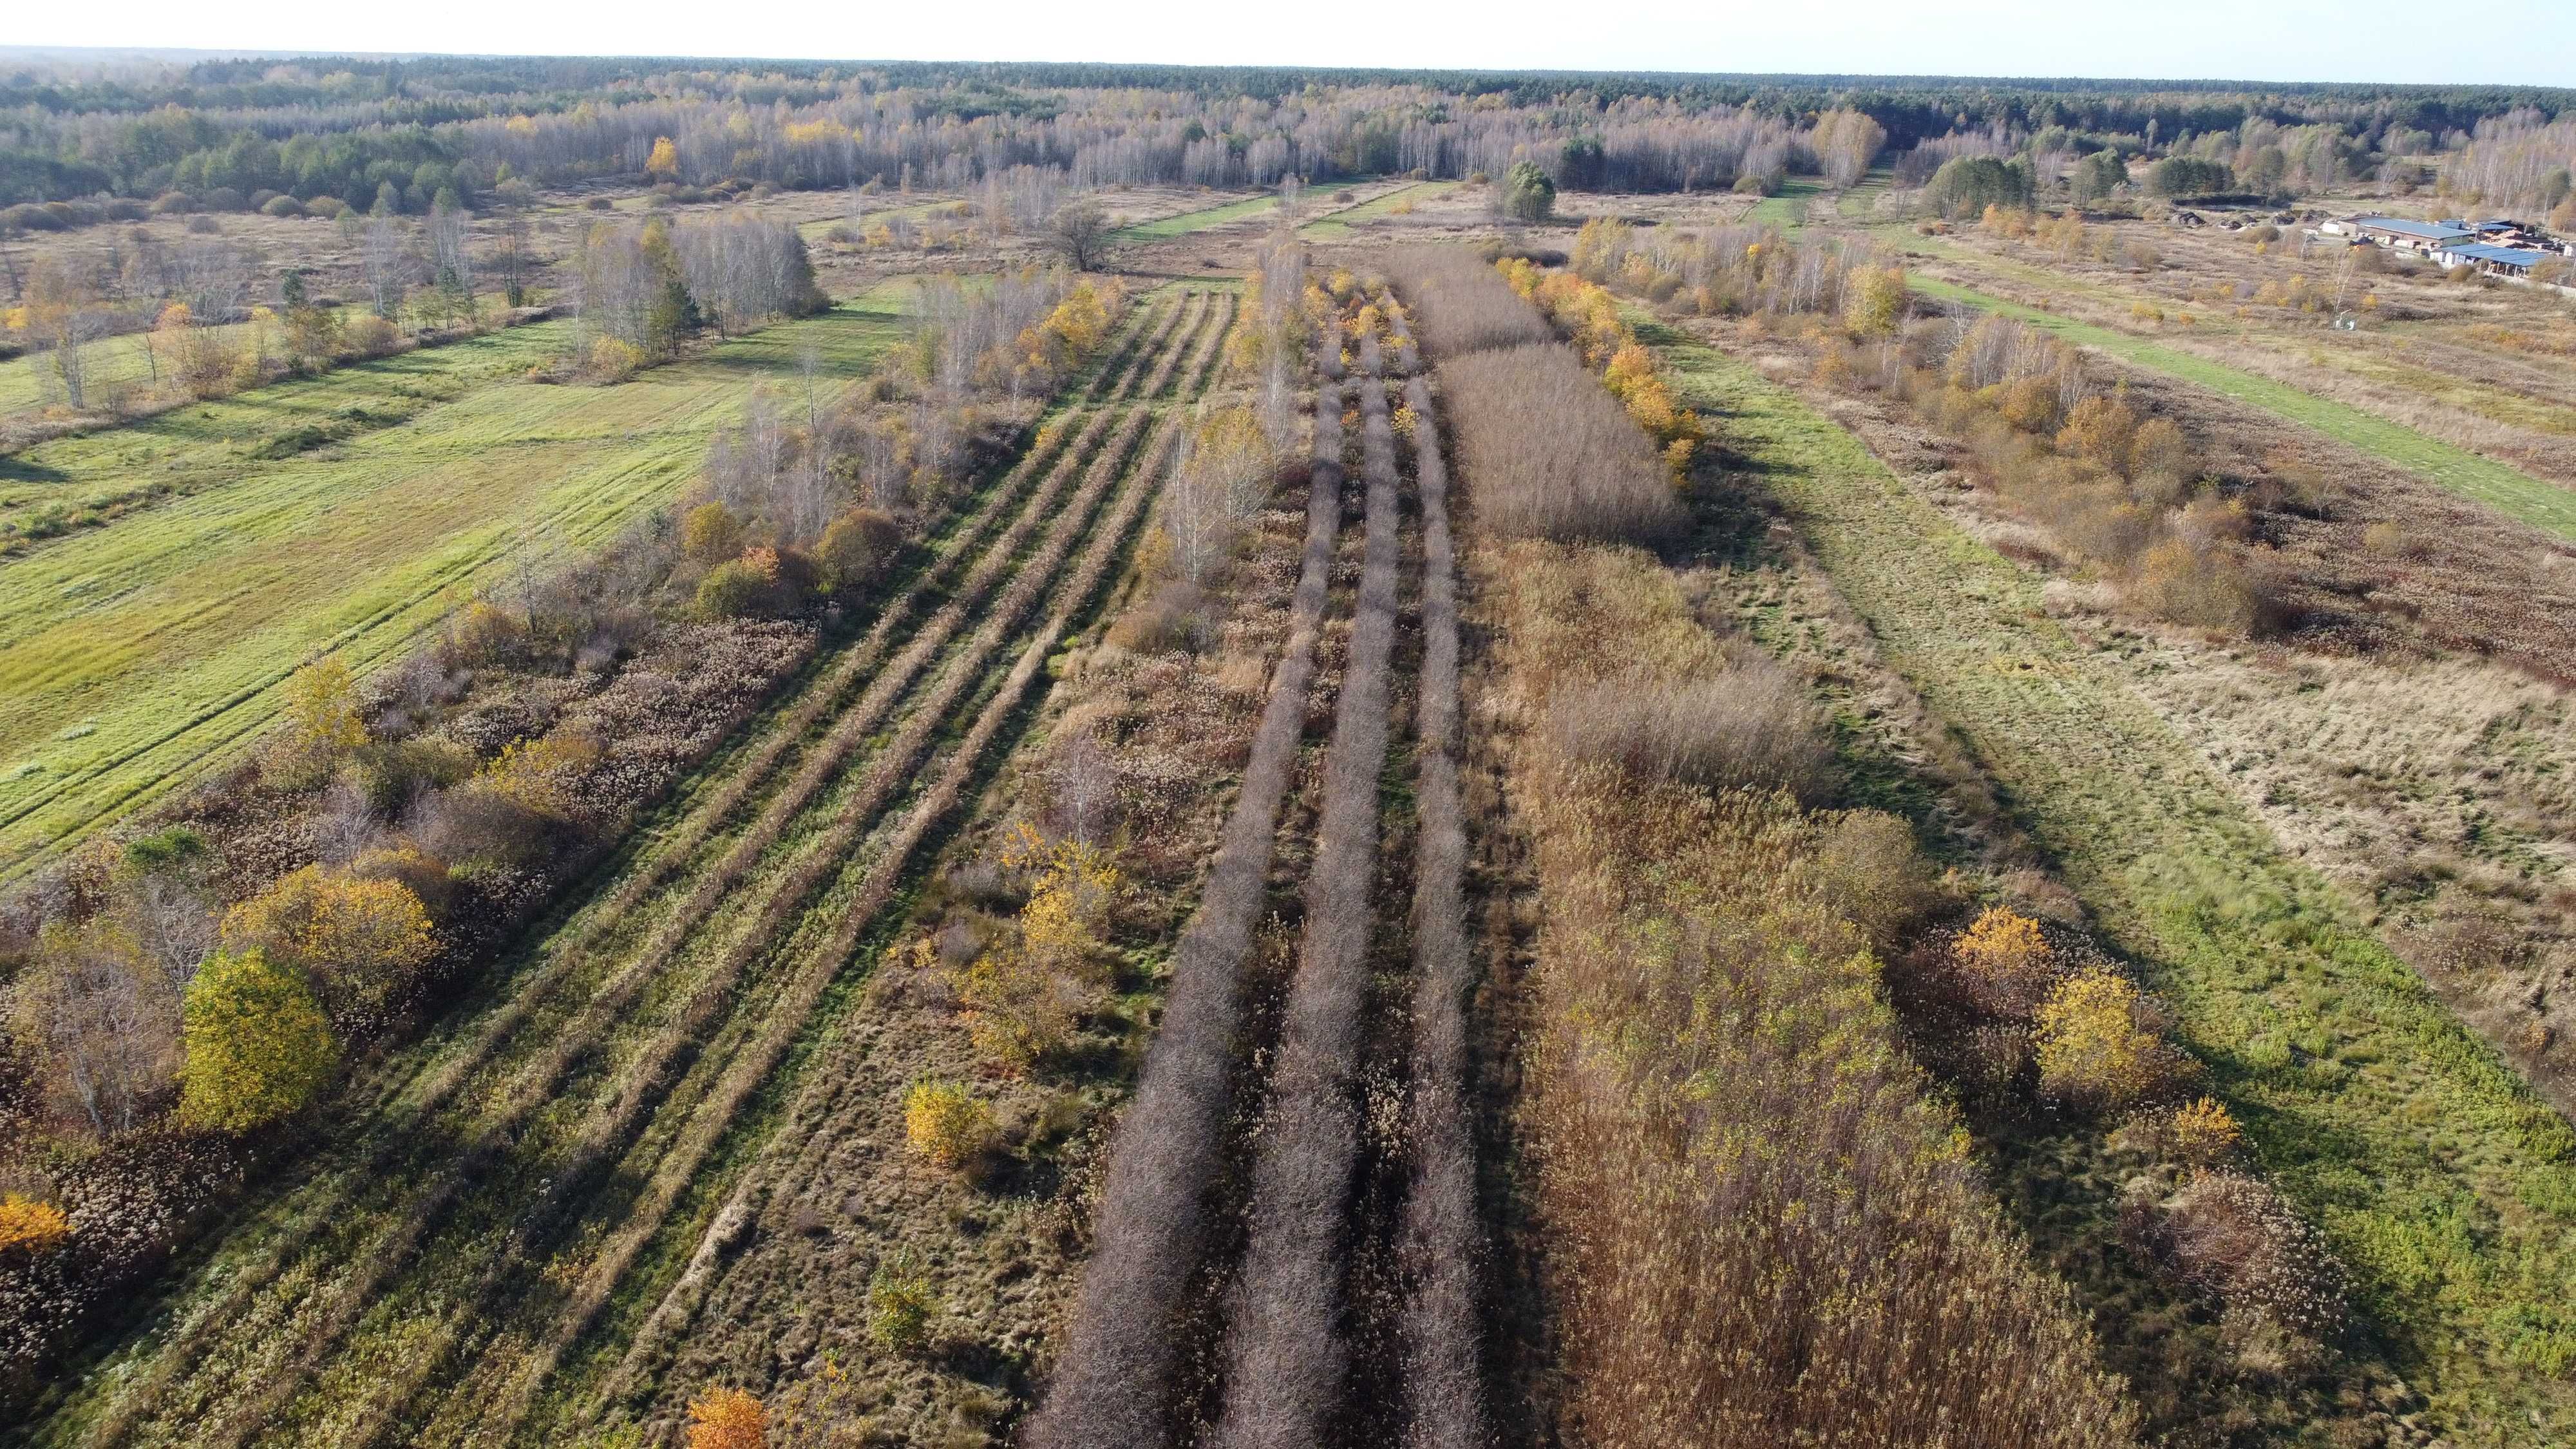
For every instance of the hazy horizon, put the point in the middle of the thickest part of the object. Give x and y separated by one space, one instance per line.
2299 42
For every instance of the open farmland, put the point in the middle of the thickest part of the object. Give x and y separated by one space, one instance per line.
553 1137
143 651
1101 756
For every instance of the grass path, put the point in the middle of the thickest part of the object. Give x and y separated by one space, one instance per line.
1787 205
2510 491
134 655
1165 228
1336 225
2445 1187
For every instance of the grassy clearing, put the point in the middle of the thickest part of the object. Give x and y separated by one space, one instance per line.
2509 491
1338 225
1165 228
137 653
2441 1182
90 477
1788 206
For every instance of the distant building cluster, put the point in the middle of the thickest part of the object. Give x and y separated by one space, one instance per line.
2496 248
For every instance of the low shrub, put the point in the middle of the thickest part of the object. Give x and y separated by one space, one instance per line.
728 1419
2231 1237
945 1122
2004 965
30 1228
900 1303
859 548
2098 1046
2200 1132
259 1046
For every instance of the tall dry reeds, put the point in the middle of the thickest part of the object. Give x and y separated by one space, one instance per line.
1287 1357
1444 1402
1109 1385
1766 1231
1748 728
1460 305
1547 451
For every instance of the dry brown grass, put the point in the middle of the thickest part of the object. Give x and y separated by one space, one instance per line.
1858 1289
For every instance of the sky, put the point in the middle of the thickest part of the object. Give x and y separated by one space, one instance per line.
2282 40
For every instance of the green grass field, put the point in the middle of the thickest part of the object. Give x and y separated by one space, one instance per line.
71 481
2443 1185
27 383
134 654
1788 207
1335 225
1165 228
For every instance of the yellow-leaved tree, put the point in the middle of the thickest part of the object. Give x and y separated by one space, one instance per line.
727 1418
258 1045
30 1226
322 724
1022 994
665 160
2096 1044
359 940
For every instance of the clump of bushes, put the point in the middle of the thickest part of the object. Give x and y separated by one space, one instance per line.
946 1123
900 1302
728 1418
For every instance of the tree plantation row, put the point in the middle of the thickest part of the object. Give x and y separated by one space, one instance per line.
1483 814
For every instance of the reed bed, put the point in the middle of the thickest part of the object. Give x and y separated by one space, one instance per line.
1553 454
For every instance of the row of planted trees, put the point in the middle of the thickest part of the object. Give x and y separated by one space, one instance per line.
2120 488
176 999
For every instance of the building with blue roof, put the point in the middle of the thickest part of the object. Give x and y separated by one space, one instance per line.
2493 260
2421 236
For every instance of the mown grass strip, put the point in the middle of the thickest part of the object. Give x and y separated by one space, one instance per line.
133 656
2442 1183
1336 225
1165 228
2509 491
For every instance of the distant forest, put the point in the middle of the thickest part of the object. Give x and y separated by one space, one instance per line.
378 133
